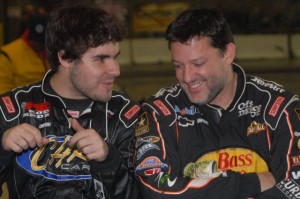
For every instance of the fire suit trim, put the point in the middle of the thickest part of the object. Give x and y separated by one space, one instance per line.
288 156
161 137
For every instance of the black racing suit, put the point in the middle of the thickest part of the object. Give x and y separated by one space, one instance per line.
185 150
57 170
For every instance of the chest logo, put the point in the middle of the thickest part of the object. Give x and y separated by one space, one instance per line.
255 128
56 161
235 159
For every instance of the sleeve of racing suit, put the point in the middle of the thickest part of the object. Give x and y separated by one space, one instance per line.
285 155
160 175
5 157
116 172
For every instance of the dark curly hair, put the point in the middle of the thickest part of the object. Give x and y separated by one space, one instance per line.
74 29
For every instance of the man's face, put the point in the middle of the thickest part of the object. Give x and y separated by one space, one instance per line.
202 70
94 74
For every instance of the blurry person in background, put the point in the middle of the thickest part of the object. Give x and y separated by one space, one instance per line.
217 132
23 61
70 135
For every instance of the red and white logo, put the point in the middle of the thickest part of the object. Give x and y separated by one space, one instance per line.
129 114
8 104
162 107
274 109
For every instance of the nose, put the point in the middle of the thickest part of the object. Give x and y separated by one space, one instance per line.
114 68
188 73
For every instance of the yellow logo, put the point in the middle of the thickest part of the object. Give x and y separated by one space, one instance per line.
62 152
255 128
235 159
142 125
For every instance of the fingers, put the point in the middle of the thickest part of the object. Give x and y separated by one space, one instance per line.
89 142
76 126
79 134
22 137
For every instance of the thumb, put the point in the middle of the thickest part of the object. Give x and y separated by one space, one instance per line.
45 141
75 125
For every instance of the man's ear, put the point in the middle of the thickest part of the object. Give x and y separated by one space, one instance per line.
230 53
63 62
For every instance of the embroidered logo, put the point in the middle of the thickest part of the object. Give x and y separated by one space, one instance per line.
255 128
142 125
275 107
162 107
8 104
131 112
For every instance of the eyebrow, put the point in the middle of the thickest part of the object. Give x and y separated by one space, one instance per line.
103 56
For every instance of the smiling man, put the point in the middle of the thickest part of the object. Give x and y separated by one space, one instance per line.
217 133
71 135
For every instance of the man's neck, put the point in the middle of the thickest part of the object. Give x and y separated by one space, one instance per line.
226 96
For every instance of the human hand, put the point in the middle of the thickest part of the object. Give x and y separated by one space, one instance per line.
22 137
267 180
89 142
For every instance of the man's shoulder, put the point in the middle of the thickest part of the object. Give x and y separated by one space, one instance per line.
273 97
12 101
127 109
266 85
164 101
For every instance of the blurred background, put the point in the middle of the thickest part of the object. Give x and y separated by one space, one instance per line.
267 35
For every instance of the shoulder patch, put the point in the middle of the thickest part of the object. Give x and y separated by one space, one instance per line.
8 104
162 107
132 112
276 105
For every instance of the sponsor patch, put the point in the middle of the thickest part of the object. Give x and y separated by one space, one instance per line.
8 104
148 139
37 107
289 188
40 110
236 159
295 160
275 107
44 125
142 125
55 161
255 128
296 175
185 122
153 171
141 151
248 108
131 112
192 110
267 84
150 163
162 107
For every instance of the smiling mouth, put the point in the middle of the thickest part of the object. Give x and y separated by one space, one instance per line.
195 85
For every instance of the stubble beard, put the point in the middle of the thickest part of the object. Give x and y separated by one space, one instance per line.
211 94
